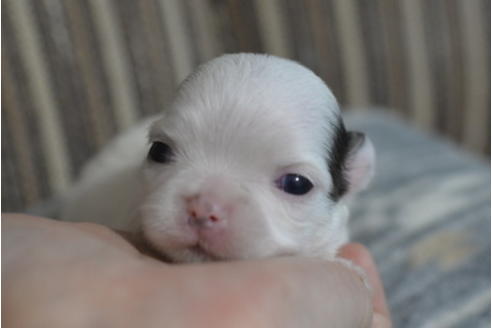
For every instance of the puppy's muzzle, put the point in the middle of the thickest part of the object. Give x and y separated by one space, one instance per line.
207 211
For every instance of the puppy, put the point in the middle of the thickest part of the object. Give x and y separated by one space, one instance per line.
250 160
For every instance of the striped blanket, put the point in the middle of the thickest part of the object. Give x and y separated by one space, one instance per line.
76 72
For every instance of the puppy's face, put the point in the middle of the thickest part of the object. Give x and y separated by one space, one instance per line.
251 160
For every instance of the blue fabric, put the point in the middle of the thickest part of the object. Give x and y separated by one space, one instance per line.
426 218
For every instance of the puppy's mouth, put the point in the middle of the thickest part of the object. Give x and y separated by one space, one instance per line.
204 254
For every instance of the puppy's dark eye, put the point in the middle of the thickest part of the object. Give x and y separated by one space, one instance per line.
160 152
294 184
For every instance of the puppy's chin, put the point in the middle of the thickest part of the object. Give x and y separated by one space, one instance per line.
197 254
193 254
178 253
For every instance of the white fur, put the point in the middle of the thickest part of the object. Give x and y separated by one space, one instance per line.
236 125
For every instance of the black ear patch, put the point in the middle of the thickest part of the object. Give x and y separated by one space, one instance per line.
343 143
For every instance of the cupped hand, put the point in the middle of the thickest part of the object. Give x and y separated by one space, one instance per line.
59 274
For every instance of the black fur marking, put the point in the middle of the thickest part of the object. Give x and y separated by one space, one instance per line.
343 144
336 164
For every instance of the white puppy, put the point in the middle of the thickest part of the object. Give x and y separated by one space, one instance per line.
251 160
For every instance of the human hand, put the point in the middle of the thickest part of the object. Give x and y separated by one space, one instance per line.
360 256
58 274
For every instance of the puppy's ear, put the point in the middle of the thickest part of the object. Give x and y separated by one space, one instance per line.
351 163
359 163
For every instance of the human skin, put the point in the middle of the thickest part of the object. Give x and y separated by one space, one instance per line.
59 274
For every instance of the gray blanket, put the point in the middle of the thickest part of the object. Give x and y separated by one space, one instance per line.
426 218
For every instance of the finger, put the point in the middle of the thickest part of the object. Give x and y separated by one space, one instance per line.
297 293
359 254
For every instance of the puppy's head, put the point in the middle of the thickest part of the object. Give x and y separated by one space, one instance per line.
251 160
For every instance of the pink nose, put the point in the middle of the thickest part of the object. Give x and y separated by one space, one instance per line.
205 211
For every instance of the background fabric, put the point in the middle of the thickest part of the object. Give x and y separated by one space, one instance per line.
76 72
426 219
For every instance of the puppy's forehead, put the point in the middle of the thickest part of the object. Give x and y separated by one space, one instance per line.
237 97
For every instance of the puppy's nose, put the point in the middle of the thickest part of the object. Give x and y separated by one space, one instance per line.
206 211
